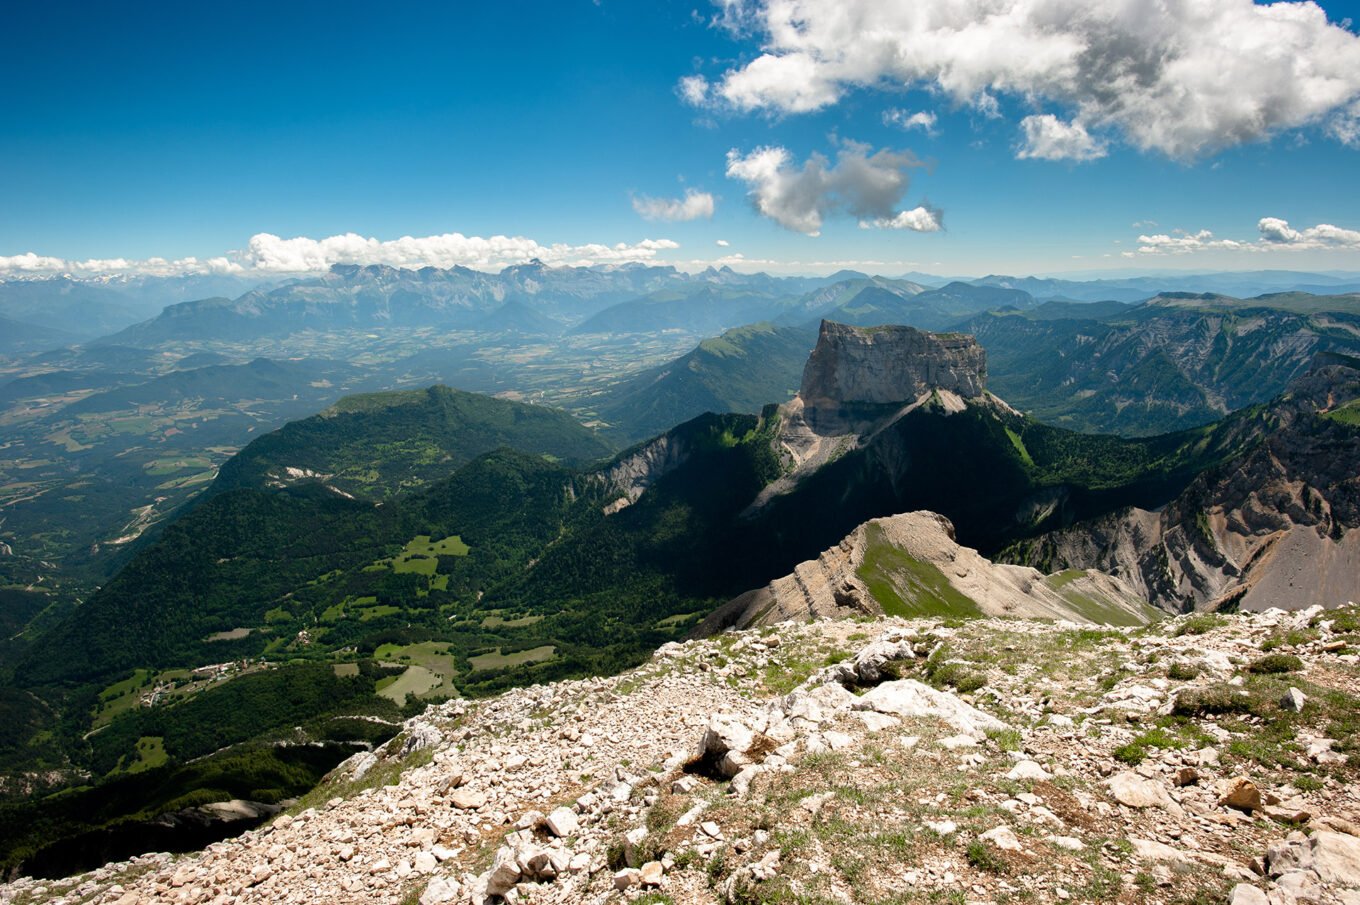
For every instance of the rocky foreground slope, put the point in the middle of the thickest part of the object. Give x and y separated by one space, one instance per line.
1200 759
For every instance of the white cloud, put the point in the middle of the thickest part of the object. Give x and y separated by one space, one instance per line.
1275 235
44 264
694 205
863 185
1049 138
920 219
1183 78
1184 243
1278 232
28 261
921 119
722 243
694 89
266 253
1345 126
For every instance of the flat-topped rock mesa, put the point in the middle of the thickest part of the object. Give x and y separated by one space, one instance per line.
859 381
856 371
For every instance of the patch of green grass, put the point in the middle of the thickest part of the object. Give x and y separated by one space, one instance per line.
835 656
1019 445
1183 672
421 555
906 586
984 857
1199 624
1348 414
1273 664
958 676
1220 698
416 681
147 754
1006 739
1107 612
1291 638
497 660
1136 751
121 697
1059 580
1343 619
495 620
654 898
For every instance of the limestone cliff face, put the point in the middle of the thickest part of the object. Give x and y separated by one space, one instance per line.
858 367
633 474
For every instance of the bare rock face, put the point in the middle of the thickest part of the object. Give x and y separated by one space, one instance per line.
633 474
855 367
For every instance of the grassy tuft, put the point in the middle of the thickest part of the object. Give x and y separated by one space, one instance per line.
1272 664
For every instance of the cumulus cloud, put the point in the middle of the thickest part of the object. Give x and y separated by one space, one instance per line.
266 253
722 243
694 205
1049 138
920 219
1275 235
1278 232
30 263
1185 79
1184 243
866 186
905 119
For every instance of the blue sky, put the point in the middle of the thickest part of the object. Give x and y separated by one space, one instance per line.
174 130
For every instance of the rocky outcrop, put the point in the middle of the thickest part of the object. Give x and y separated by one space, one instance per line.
854 370
916 566
1272 527
632 473
835 756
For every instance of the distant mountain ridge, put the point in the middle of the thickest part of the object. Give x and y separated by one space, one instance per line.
88 307
1177 361
1274 526
355 297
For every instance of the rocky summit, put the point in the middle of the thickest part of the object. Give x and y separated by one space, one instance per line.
857 369
1208 758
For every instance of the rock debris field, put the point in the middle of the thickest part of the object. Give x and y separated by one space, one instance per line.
1200 759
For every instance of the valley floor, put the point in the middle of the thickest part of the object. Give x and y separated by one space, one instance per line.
846 761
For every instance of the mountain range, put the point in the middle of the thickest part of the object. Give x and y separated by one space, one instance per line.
1175 361
407 546
354 296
